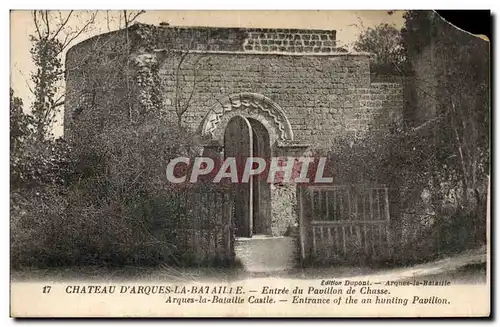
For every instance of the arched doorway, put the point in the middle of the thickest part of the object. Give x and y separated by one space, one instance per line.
245 125
244 138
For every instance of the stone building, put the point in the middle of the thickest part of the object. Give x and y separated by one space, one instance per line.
245 91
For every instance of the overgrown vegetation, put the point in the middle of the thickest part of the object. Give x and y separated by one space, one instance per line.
385 43
109 203
430 217
436 162
105 201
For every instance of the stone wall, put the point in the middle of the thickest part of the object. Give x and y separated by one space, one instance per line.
324 94
239 39
284 208
377 108
97 74
281 40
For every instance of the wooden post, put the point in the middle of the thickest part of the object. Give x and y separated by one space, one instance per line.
343 239
228 225
330 238
302 225
337 238
388 218
320 211
366 238
371 203
321 238
334 203
327 200
314 239
216 225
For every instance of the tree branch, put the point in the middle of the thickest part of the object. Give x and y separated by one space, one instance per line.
58 104
36 25
131 20
70 39
63 24
59 101
25 80
178 87
125 18
45 17
107 20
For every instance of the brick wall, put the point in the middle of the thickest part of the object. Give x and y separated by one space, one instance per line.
312 91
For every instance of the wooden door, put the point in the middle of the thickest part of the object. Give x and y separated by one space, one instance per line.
238 144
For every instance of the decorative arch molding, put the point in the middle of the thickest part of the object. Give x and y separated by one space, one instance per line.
251 105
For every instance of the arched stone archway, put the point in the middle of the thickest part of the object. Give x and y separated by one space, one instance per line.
248 105
252 125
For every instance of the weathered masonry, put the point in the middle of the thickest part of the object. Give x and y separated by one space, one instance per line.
246 92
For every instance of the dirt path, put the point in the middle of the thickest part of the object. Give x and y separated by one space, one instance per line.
468 267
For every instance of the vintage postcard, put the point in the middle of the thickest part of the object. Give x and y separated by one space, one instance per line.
248 164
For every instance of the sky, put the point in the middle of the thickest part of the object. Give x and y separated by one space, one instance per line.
348 25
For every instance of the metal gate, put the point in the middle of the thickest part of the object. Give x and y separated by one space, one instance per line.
344 223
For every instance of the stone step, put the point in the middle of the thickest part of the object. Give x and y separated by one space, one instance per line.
262 253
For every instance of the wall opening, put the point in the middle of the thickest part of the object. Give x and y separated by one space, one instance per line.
245 138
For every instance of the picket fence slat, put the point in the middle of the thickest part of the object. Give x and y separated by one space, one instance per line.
344 221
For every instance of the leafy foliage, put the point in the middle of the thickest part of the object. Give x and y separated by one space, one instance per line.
45 54
418 30
34 162
21 125
53 35
428 217
116 206
384 42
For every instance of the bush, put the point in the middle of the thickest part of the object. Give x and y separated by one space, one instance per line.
115 207
424 225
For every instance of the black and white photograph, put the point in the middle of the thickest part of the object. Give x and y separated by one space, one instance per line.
169 163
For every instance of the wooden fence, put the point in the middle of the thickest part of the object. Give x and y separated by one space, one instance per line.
204 228
344 223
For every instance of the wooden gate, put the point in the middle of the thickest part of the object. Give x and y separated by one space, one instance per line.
203 231
344 223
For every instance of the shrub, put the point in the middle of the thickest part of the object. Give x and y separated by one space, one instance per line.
423 224
115 207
